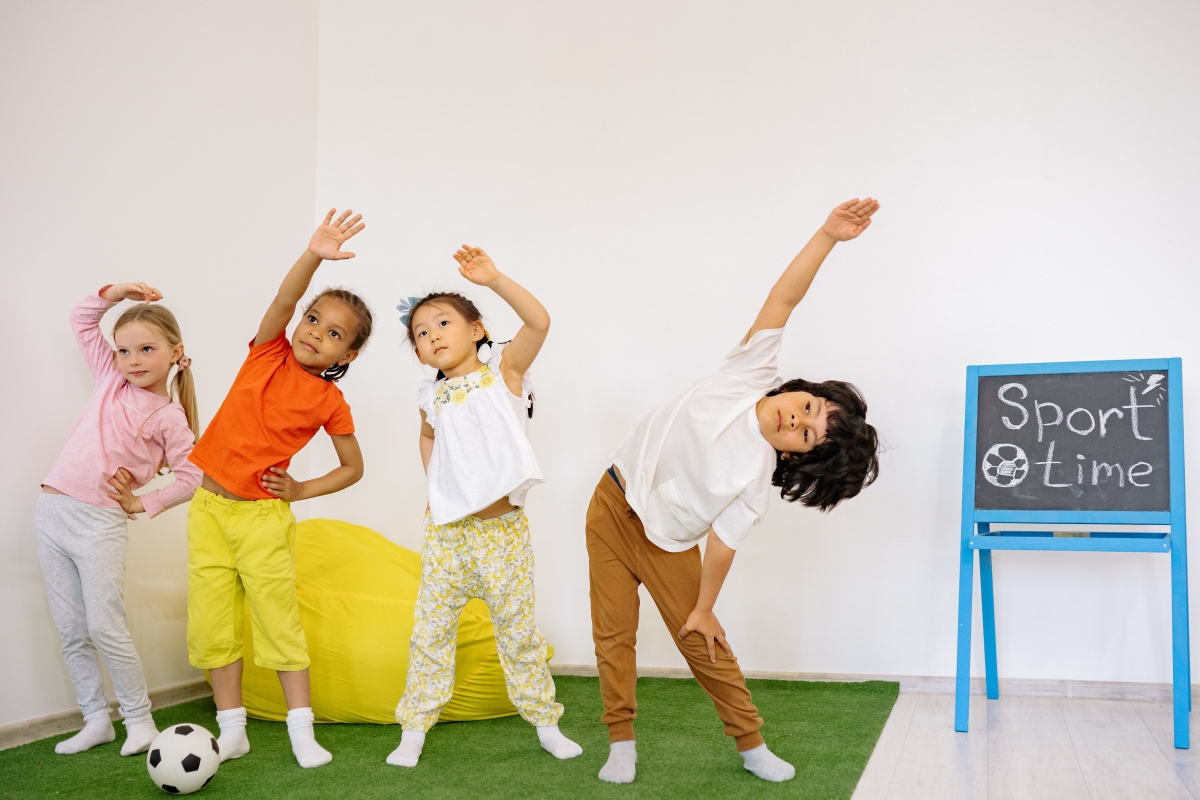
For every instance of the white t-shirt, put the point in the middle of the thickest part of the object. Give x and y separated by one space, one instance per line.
700 460
481 449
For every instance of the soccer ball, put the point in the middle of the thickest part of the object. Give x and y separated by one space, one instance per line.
1005 465
183 758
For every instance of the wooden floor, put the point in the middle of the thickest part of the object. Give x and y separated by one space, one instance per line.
1026 748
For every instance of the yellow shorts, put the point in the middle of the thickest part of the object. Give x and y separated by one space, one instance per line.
239 550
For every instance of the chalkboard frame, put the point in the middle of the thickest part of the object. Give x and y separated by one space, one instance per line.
977 535
1174 369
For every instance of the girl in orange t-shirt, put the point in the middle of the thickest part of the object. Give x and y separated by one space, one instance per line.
240 527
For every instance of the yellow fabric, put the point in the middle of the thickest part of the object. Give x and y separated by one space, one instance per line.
240 554
491 559
357 591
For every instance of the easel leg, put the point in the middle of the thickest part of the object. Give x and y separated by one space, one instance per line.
1181 655
962 683
989 624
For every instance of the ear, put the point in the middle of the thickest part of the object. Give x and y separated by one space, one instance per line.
176 353
477 330
346 359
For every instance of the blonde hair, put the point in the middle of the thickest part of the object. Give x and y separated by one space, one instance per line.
183 387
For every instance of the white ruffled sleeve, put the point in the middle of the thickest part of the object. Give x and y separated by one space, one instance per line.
426 391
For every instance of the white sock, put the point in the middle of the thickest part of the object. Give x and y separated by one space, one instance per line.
97 729
139 735
232 742
768 766
622 763
409 751
304 744
557 745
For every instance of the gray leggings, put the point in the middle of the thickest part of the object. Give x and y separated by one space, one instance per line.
82 550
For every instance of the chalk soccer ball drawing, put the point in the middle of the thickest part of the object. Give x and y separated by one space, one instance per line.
1005 465
183 759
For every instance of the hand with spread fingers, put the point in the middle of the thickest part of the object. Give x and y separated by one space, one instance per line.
122 484
707 625
132 291
850 219
476 266
279 483
329 237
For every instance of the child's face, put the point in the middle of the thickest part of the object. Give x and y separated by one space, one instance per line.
323 337
144 356
445 339
794 422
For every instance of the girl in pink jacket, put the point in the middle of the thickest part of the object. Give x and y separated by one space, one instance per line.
130 431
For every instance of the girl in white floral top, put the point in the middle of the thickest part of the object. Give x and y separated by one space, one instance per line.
479 465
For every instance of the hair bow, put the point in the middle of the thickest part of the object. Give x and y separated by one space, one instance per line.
405 308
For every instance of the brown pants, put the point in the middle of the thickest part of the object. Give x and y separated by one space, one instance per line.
621 557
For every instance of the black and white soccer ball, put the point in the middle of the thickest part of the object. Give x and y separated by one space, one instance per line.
183 759
1005 465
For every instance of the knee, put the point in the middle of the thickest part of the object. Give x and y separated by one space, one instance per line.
74 639
521 645
111 639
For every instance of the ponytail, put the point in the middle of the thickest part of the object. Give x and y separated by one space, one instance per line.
184 389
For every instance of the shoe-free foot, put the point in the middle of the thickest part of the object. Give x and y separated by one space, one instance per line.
409 751
139 735
768 766
557 745
97 729
621 766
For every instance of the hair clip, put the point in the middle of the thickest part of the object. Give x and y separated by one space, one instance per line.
405 308
185 362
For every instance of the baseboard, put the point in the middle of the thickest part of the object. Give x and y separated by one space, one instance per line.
1096 690
31 730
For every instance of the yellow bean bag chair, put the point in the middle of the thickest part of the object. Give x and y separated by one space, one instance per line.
356 591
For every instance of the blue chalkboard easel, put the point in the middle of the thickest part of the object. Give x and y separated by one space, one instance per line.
978 536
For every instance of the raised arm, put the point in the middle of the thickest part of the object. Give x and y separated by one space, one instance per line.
846 222
86 316
325 245
477 267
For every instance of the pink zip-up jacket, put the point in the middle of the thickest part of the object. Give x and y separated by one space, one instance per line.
122 426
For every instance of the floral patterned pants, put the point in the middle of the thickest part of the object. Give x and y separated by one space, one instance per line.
490 559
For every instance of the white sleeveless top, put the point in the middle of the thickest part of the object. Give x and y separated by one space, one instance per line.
481 448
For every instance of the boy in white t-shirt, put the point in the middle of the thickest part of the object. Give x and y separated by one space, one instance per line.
701 466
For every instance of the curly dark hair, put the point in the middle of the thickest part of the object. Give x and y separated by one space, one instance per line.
365 323
844 463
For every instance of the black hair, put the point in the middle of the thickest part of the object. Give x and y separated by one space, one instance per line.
469 312
844 463
365 322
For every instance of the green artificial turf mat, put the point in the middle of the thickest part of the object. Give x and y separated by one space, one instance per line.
827 730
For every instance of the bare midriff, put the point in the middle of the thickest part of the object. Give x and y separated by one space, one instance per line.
220 491
496 509
50 490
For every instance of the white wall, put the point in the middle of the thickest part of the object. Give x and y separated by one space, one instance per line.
167 142
648 169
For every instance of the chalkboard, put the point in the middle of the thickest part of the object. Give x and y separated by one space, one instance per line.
1083 441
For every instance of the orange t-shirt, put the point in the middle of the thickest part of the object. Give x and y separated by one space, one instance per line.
272 410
